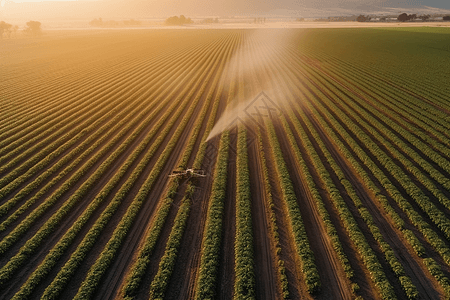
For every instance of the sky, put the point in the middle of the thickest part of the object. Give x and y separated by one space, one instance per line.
121 9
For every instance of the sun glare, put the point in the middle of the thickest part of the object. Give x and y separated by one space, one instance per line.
22 1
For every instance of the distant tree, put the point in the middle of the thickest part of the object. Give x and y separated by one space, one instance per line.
96 22
300 20
178 20
132 22
15 28
2 28
33 28
259 20
405 17
424 17
383 19
5 27
173 21
361 18
446 18
208 20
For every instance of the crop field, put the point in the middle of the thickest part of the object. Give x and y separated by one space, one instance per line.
326 155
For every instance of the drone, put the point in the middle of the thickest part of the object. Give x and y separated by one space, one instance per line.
188 173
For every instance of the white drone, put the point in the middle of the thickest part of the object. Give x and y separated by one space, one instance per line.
188 173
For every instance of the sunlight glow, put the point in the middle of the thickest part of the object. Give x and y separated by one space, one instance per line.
22 1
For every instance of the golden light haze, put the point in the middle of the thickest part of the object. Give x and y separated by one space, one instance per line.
66 10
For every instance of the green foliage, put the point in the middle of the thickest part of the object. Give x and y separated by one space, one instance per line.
414 54
100 266
436 271
167 263
209 262
244 286
297 228
389 123
273 220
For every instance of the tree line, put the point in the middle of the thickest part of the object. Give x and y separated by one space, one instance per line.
33 28
404 17
111 23
181 20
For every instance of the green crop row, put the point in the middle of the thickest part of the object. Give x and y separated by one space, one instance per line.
393 104
436 271
382 90
395 265
51 224
437 243
401 145
379 81
116 138
244 269
398 269
66 137
413 216
397 221
167 263
50 133
393 74
297 228
435 174
129 91
331 230
281 270
244 285
409 89
68 183
134 277
212 237
104 260
78 98
206 281
98 136
58 250
409 288
305 173
310 92
313 191
437 216
368 256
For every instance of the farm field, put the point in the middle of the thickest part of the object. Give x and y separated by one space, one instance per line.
326 154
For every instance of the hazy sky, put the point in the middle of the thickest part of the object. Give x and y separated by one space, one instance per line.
36 9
